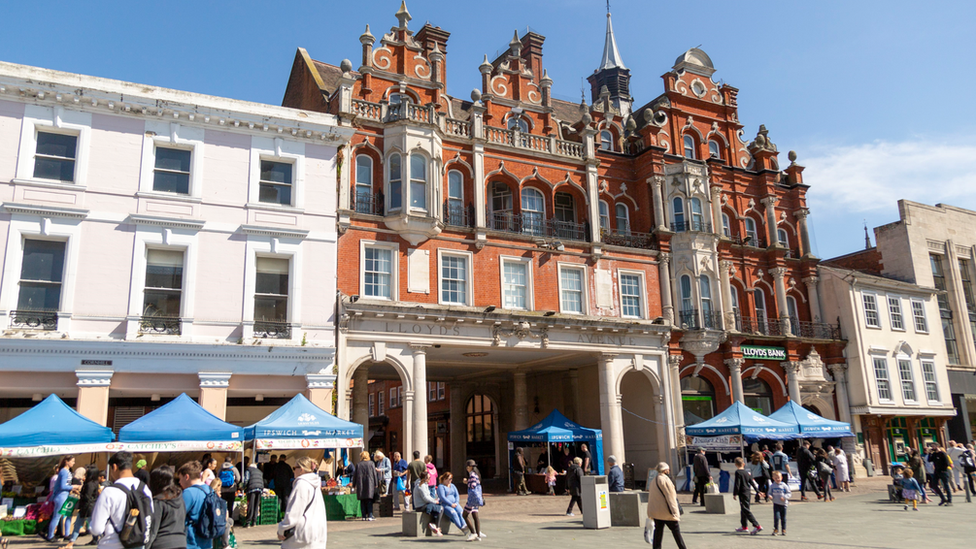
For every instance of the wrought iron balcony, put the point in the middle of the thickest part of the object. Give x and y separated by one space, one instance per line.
272 329
536 225
777 327
368 203
696 226
761 326
458 215
815 330
757 242
628 239
161 325
34 320
694 319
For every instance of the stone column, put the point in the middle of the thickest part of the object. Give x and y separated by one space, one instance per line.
725 267
93 393
791 368
407 441
674 361
801 220
213 392
593 196
420 398
610 420
320 389
360 400
521 399
664 277
784 312
657 182
574 395
813 296
716 205
735 371
770 203
843 402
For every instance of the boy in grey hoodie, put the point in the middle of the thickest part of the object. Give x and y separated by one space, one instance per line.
780 492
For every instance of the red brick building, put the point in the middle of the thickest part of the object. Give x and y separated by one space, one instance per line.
611 259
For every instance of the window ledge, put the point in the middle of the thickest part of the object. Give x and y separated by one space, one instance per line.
50 184
169 196
273 207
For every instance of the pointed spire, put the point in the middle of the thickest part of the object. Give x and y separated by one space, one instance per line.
611 57
403 16
515 45
867 238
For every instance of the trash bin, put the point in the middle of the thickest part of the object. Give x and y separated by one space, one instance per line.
596 502
723 481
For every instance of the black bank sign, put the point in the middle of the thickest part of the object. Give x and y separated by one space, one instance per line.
763 353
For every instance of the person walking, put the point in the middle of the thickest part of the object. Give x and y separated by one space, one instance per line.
426 501
824 470
431 472
60 489
955 452
662 507
841 472
587 458
169 511
780 461
195 491
518 469
742 489
230 479
759 470
305 525
702 476
780 494
364 481
550 478
447 493
111 505
919 472
805 461
615 476
86 504
910 489
399 467
384 470
475 501
574 482
941 475
253 488
968 462
283 477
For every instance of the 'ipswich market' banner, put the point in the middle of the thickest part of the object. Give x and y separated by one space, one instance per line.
112 447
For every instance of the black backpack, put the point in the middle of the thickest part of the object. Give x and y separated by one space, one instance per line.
141 533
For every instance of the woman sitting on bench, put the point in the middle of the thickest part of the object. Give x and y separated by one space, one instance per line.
425 502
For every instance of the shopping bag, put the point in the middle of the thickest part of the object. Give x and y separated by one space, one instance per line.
649 531
711 488
68 507
401 484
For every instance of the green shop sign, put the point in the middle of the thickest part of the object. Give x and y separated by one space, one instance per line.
763 353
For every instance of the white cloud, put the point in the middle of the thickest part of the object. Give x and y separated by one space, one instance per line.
871 177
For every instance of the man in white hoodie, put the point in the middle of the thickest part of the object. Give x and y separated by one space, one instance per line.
955 452
304 525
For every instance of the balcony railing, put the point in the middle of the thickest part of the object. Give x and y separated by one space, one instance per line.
368 203
458 215
458 128
694 319
413 112
697 226
815 330
34 320
777 327
522 140
160 325
761 326
366 109
628 239
271 329
536 225
757 242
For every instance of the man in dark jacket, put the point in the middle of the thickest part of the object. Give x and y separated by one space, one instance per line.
806 461
615 477
702 476
283 478
941 476
269 468
574 482
253 487
742 489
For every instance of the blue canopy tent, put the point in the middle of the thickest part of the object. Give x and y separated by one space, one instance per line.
181 425
299 424
52 428
809 423
558 428
740 420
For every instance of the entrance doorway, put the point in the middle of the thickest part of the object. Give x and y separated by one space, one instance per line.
480 427
640 423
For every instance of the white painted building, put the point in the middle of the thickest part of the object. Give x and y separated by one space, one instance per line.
155 241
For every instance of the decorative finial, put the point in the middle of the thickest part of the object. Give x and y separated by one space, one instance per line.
403 16
485 66
792 157
515 44
345 66
867 237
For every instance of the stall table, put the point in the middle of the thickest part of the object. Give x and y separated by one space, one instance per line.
341 506
537 484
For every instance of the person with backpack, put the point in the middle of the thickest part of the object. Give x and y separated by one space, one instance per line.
305 523
169 512
114 507
206 513
968 461
230 478
780 462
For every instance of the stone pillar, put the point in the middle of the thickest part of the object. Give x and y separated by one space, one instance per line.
407 439
664 277
320 390
593 196
813 297
521 401
420 398
784 312
657 182
801 221
674 362
843 402
360 400
770 203
725 267
213 393
93 393
574 395
610 420
735 371
791 368
716 205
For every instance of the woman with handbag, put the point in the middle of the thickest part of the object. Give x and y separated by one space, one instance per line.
304 525
824 470
365 482
663 509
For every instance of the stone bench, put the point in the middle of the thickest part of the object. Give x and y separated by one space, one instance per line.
720 504
414 524
628 508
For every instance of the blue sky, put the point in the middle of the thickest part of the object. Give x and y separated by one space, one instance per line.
875 97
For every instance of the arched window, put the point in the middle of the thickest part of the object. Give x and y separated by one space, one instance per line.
705 291
751 232
515 121
533 211
501 207
678 211
757 395
726 226
604 216
689 147
364 184
760 309
480 433
606 140
783 237
455 197
418 182
697 217
713 149
623 218
687 303
396 182
791 311
396 98
697 399
734 293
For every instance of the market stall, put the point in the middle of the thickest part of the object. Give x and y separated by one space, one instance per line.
810 424
556 428
301 425
181 425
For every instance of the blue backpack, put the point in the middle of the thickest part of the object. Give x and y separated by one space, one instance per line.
213 516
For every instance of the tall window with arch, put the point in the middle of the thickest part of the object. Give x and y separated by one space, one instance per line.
757 395
396 182
623 218
516 122
760 300
455 198
697 399
726 226
501 207
794 317
606 140
678 214
564 207
705 291
714 151
688 313
751 233
533 211
604 216
418 182
783 237
364 184
689 145
734 295
697 216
